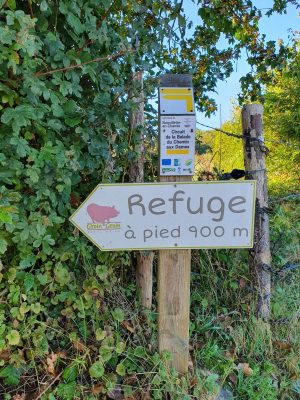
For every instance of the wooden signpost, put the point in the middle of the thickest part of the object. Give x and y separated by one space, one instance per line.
174 266
172 216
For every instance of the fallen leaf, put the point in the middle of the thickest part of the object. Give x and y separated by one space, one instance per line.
146 396
128 326
230 353
282 345
131 380
80 346
4 355
233 379
15 323
242 283
193 382
19 397
51 363
247 371
97 389
116 393
198 345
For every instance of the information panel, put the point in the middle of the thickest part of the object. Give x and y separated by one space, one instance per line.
169 215
177 131
177 149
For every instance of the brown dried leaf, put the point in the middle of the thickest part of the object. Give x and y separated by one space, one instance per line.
116 393
128 326
247 371
97 389
198 345
233 378
131 380
193 382
282 345
4 355
146 396
79 346
19 397
15 323
51 363
242 283
230 353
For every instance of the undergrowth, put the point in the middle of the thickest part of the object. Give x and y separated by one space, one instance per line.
91 340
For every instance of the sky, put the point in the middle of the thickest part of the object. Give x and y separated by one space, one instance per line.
275 27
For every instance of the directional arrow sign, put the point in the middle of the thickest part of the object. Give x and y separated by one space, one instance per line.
169 215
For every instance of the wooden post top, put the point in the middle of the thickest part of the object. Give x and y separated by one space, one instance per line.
253 109
176 80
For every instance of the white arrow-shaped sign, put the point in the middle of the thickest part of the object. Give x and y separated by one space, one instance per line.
169 215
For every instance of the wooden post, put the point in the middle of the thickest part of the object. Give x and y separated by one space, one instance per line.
144 266
255 164
174 271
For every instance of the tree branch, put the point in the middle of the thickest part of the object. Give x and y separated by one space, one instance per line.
99 59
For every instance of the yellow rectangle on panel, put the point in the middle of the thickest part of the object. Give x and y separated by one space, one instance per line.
177 151
183 95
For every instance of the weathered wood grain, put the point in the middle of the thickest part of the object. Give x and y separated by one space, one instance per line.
254 158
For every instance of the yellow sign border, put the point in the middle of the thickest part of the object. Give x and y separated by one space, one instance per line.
164 184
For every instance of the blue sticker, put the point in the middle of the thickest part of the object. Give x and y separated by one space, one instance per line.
166 161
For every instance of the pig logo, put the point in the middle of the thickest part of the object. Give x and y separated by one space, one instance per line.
101 214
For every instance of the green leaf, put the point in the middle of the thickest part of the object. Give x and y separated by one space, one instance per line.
96 370
62 275
101 271
118 314
36 308
5 215
100 334
70 107
75 23
13 337
27 261
121 370
120 347
11 375
43 6
12 4
3 246
72 121
105 353
70 373
28 282
66 391
139 351
181 21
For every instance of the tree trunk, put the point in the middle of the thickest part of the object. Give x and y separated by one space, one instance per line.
144 259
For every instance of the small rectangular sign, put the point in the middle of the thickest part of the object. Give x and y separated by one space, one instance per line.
176 100
177 144
169 215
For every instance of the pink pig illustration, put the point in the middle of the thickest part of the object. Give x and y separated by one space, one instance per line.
101 214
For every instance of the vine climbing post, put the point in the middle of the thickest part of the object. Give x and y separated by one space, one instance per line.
255 167
144 259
